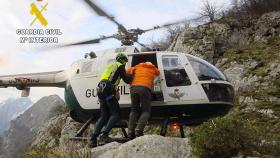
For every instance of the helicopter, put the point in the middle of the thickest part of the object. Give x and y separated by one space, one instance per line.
188 91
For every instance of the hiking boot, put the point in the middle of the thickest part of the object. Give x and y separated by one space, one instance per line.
92 143
131 136
104 139
139 133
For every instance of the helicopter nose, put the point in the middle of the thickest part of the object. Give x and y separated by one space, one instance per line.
219 92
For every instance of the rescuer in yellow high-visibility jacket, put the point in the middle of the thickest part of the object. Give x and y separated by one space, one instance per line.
109 104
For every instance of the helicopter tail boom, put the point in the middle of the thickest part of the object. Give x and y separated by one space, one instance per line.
24 81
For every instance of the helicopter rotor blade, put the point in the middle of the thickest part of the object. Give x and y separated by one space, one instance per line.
165 25
83 42
92 41
143 45
101 12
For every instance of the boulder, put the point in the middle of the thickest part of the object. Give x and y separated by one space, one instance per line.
149 146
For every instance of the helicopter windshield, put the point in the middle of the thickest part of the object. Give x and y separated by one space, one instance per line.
204 70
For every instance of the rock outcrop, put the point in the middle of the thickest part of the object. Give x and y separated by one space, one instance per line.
53 139
24 127
248 55
210 41
10 109
146 146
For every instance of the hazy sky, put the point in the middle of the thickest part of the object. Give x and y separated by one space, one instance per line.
78 22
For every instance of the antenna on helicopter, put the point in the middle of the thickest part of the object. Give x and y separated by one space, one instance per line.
127 36
90 55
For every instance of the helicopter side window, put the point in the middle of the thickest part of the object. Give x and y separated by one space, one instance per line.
204 70
174 72
165 62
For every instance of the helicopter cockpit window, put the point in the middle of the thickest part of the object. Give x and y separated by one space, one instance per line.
204 70
174 72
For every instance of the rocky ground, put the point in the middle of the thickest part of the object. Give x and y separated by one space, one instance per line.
25 127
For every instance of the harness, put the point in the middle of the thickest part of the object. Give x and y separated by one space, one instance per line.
106 89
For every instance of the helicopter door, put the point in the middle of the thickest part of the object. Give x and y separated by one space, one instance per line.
177 82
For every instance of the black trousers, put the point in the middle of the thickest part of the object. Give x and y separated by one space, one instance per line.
140 109
109 109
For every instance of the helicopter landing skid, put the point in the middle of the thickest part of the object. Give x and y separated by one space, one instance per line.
79 138
84 127
167 121
119 140
121 125
164 126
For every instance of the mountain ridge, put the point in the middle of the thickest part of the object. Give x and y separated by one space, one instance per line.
10 109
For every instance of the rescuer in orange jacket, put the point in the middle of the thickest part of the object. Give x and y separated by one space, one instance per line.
140 93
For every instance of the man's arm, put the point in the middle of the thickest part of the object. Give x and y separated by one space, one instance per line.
126 77
156 72
129 70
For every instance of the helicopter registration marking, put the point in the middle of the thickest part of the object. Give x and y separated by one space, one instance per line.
92 92
24 80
